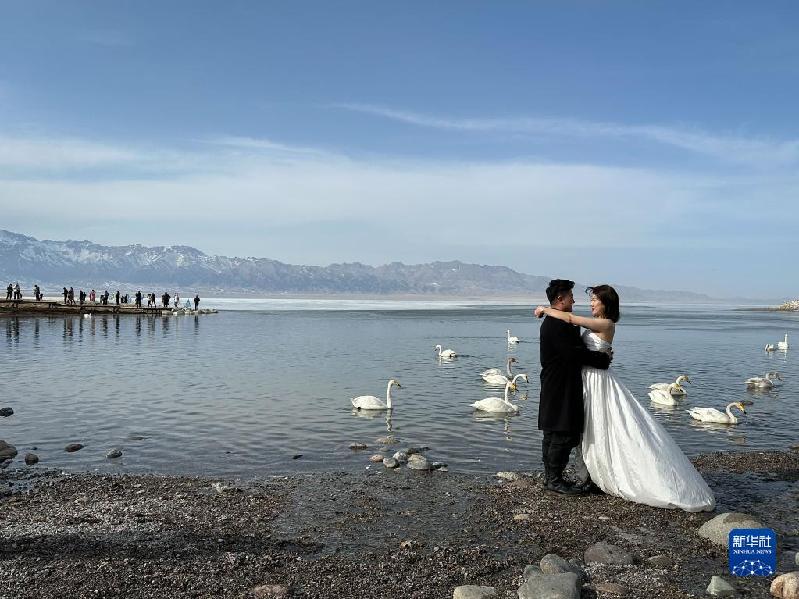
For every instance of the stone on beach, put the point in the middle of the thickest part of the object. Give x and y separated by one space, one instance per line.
552 563
401 457
114 453
661 561
605 553
31 459
611 588
418 462
389 440
7 452
6 412
270 591
719 587
470 591
718 529
550 586
508 475
390 462
376 458
73 447
358 446
786 586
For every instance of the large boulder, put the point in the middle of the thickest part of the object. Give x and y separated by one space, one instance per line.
719 587
470 591
718 529
550 586
552 563
7 452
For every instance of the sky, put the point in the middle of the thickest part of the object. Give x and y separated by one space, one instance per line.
651 144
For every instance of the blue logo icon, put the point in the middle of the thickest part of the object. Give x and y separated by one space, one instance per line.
753 552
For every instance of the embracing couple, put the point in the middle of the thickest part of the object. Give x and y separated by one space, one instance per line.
621 449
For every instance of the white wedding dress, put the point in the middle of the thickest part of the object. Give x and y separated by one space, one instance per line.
627 452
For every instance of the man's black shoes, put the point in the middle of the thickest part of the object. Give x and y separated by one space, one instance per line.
589 487
558 485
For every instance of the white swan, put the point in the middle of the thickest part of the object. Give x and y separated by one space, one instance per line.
497 405
763 382
665 397
485 373
370 402
714 415
445 353
498 380
784 343
512 339
674 388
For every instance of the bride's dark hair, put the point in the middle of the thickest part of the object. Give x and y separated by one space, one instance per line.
609 298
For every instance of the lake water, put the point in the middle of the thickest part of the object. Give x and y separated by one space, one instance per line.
241 392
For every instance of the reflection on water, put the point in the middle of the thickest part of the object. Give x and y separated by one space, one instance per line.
242 393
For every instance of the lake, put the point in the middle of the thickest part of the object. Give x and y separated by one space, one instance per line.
242 392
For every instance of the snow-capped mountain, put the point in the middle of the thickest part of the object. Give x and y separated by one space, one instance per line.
83 264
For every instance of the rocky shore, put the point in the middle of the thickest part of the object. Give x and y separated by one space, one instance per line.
380 533
791 306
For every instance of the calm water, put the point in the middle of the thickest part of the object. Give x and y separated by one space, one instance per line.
241 392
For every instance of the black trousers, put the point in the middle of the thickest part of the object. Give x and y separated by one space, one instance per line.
556 447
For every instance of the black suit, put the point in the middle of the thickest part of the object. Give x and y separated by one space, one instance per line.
560 413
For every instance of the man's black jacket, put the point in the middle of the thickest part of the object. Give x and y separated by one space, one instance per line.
563 355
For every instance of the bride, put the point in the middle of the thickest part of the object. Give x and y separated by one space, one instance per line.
626 451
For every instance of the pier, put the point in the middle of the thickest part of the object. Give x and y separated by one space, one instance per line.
51 307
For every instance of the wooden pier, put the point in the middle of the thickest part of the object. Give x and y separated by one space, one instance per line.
51 307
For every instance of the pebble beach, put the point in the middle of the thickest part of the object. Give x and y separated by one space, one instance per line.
379 533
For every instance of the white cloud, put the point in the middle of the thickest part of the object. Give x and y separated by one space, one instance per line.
758 152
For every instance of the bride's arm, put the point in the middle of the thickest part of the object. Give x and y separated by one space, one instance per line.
598 325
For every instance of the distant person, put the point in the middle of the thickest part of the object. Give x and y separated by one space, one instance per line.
92 296
81 297
196 301
66 293
36 292
177 299
17 292
188 305
71 296
9 291
138 298
116 296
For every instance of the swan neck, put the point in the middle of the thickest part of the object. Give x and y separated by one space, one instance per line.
507 390
510 372
388 395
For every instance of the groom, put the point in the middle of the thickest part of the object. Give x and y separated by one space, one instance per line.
560 414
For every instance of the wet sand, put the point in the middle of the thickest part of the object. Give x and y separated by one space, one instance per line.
379 533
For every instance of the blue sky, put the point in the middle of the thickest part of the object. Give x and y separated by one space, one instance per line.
652 144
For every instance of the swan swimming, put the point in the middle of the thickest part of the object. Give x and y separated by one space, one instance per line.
665 397
497 405
511 360
674 388
763 382
784 343
714 415
370 402
445 353
512 339
498 380
770 347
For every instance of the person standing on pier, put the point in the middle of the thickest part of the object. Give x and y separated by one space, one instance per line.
81 296
17 292
196 301
9 291
66 293
92 296
138 298
177 299
117 297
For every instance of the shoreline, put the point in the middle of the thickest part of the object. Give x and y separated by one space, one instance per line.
378 533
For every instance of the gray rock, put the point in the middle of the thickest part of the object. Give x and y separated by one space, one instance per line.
438 465
6 412
376 458
719 587
718 529
7 452
471 591
73 447
358 446
552 563
31 459
401 457
521 517
418 462
390 462
412 450
605 553
389 440
508 475
661 561
786 586
114 453
532 570
551 586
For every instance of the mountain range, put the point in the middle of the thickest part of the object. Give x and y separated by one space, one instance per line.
83 264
